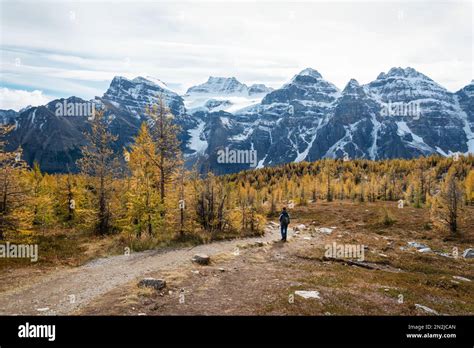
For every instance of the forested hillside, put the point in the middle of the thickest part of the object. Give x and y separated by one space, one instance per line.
144 197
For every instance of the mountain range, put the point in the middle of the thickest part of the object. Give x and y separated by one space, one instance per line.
401 114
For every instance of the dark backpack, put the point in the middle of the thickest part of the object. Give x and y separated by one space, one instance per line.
285 220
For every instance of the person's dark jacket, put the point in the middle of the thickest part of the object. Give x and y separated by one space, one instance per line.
284 214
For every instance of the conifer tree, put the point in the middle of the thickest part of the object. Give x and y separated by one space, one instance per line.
100 164
448 203
144 205
469 184
13 192
164 133
40 197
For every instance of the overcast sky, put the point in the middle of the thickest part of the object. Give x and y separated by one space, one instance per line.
53 49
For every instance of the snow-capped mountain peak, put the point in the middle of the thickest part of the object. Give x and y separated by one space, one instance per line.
136 94
259 88
218 86
307 86
403 85
353 88
151 80
121 81
403 73
223 94
310 72
353 83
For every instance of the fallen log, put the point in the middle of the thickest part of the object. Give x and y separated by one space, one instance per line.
353 263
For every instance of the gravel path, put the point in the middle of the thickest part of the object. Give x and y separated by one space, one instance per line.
63 292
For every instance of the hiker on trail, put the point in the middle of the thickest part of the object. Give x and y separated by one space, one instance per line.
284 222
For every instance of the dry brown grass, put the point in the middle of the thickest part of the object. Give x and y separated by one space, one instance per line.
261 279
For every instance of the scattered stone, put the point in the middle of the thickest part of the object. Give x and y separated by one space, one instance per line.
259 244
444 254
417 245
325 230
301 227
221 269
462 278
273 223
194 272
201 259
156 284
426 309
307 238
141 314
383 255
308 294
402 248
45 309
424 250
468 253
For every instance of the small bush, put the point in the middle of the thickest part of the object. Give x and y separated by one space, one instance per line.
386 219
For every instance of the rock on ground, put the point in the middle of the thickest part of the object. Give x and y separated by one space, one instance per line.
468 253
308 294
326 230
156 284
417 245
462 278
424 250
201 259
426 309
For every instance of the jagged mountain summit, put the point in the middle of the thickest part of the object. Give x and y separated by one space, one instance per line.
223 94
401 114
134 95
219 85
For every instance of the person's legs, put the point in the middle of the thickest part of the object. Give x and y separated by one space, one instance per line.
284 229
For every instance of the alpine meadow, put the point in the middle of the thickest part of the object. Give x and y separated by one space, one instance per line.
210 172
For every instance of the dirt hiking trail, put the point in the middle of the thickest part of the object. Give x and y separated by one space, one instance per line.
63 292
